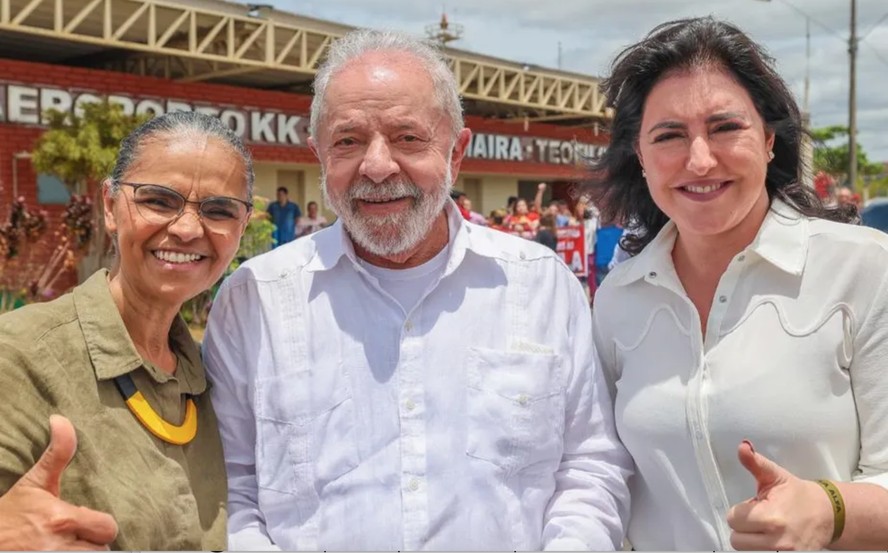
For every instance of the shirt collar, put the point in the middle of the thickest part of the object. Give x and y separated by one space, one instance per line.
782 241
657 255
190 370
331 245
110 347
783 238
334 243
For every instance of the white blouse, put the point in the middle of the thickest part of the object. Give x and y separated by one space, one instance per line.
795 359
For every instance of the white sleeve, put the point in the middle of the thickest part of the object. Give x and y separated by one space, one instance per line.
869 377
590 507
228 367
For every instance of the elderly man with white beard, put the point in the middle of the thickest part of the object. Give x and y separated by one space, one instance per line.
404 379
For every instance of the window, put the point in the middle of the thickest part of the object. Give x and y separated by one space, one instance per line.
51 190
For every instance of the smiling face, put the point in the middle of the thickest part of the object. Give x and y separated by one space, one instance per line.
169 263
521 207
705 150
387 152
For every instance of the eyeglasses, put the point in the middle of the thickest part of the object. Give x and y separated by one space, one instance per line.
163 205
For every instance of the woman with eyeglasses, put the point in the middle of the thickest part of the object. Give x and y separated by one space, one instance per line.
144 469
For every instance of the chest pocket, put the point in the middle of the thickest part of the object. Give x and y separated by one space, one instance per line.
515 409
305 435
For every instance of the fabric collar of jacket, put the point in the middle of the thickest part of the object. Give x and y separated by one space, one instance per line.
111 349
782 241
331 247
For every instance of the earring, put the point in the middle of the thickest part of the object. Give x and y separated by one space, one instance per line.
644 174
770 155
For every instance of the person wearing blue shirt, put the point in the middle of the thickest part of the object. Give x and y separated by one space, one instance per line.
284 214
606 239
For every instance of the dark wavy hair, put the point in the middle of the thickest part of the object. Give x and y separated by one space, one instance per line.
616 184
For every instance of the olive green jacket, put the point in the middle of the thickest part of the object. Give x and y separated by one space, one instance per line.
61 357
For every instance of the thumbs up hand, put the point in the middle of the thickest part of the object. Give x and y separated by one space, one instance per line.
786 513
32 517
46 474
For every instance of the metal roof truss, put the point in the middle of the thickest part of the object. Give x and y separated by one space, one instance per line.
195 43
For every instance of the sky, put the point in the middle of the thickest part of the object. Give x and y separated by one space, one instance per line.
592 32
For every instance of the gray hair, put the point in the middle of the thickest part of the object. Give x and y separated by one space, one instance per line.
178 123
357 43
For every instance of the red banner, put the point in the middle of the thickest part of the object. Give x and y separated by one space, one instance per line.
572 248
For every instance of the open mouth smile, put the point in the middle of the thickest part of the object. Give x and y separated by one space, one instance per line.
705 190
177 257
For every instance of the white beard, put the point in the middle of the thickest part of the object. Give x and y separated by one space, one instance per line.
390 234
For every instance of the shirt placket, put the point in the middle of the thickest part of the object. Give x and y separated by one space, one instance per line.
697 399
411 414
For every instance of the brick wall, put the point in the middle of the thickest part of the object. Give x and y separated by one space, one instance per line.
15 139
105 82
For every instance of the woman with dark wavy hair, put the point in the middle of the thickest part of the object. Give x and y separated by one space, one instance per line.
749 312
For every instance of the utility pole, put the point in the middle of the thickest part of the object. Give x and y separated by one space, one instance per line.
807 175
852 99
807 63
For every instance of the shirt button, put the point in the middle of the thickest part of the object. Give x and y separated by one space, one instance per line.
699 435
523 399
408 326
522 255
413 485
652 274
722 299
741 258
410 405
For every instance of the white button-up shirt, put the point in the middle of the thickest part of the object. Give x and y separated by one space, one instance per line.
478 420
795 359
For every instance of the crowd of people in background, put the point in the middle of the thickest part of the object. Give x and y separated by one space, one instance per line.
289 221
529 219
535 221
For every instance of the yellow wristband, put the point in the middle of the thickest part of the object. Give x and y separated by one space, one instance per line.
838 504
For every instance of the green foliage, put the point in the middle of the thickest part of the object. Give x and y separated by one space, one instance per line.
832 157
81 149
825 134
258 237
877 187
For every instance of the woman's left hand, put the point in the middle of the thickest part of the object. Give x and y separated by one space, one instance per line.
786 514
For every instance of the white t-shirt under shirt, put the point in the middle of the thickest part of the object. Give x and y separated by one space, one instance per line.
408 286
